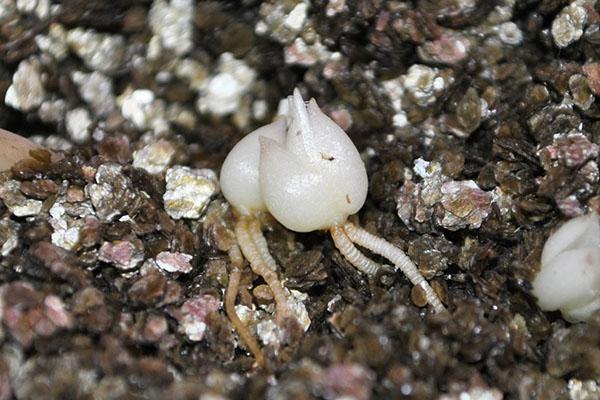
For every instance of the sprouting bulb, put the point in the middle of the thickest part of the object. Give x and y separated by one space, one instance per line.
308 174
311 177
314 178
569 277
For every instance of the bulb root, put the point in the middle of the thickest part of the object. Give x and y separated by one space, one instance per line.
400 260
237 263
345 246
254 247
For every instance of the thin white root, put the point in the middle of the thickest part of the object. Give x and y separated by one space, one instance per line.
260 267
351 253
261 243
237 263
402 262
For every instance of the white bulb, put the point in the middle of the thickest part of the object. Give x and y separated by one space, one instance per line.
569 278
239 173
315 178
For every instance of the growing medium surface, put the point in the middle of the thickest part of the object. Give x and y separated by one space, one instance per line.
477 122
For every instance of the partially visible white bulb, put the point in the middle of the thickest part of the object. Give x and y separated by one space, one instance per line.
315 178
239 173
569 278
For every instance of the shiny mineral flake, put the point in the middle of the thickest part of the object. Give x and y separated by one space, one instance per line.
188 191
